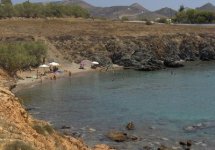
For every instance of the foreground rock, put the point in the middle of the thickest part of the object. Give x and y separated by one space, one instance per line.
117 136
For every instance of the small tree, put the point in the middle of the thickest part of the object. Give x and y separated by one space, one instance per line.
124 18
181 8
6 2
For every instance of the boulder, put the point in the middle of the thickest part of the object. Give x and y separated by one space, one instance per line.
173 64
207 53
130 126
117 136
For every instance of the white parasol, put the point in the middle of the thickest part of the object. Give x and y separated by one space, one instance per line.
54 64
44 66
95 63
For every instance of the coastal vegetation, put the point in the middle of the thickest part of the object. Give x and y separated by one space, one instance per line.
43 129
21 55
18 145
39 10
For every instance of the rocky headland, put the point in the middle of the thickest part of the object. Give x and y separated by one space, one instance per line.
147 53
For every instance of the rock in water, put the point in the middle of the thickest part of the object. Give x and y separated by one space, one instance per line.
173 64
130 126
163 147
65 127
182 143
189 143
117 136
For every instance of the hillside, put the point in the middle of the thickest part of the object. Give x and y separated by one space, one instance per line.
116 12
167 12
76 2
207 7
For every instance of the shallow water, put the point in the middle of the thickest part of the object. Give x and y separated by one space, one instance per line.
160 103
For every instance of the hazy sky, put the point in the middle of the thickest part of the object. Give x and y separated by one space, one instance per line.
149 4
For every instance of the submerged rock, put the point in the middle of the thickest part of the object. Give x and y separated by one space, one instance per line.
199 126
163 147
133 138
186 145
65 127
147 148
91 130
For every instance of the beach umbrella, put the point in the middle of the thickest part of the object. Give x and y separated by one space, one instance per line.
86 63
95 63
54 64
44 66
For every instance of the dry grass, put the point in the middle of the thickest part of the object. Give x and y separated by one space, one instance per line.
56 27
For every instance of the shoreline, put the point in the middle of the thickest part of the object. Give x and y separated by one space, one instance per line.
22 84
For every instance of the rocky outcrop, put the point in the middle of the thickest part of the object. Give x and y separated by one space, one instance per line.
145 53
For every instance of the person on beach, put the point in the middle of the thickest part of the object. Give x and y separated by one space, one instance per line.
54 77
70 74
81 66
37 74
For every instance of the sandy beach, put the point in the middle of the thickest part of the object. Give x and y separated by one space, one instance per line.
29 79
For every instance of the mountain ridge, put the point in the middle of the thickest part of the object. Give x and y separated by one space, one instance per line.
133 11
207 7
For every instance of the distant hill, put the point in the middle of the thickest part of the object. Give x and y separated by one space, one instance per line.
80 3
150 16
168 12
207 7
133 12
116 12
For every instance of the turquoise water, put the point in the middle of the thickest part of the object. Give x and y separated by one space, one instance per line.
160 103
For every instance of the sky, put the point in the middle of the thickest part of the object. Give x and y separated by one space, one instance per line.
149 4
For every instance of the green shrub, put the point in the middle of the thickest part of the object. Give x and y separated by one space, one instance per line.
149 23
124 18
194 16
43 129
21 55
162 20
18 145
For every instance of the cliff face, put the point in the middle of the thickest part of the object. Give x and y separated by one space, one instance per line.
143 53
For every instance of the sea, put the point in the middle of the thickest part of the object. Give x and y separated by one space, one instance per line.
166 106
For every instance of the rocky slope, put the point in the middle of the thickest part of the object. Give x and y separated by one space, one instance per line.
142 53
167 12
19 131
